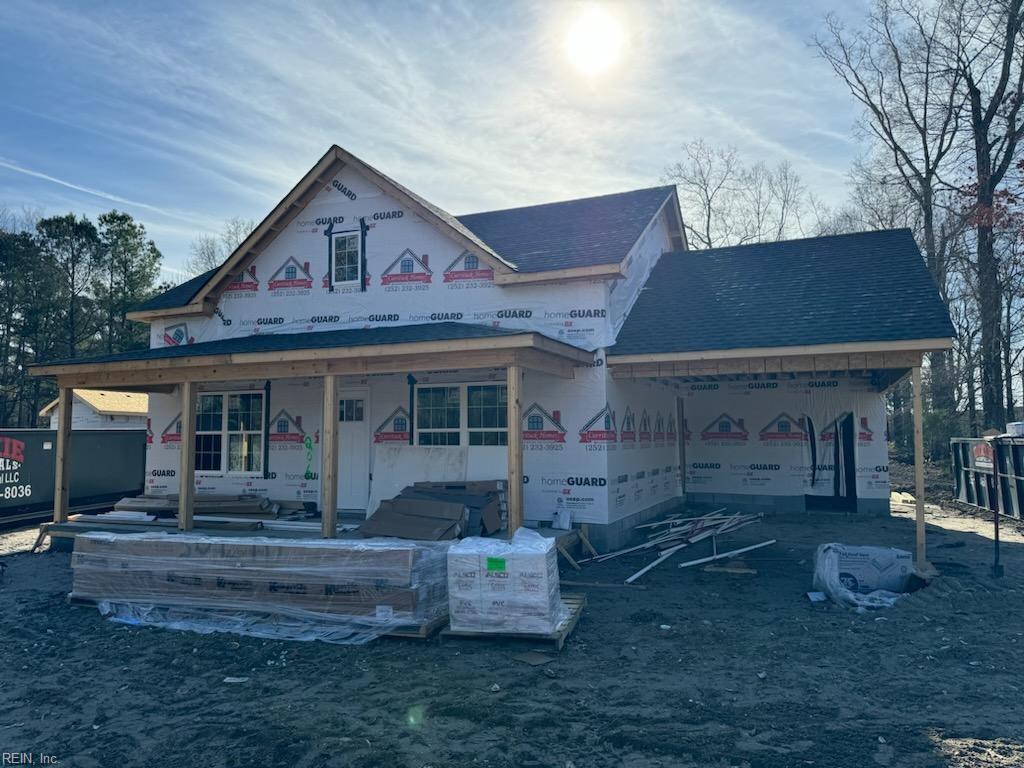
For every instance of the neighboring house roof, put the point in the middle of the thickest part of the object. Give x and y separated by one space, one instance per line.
867 286
274 342
572 233
107 403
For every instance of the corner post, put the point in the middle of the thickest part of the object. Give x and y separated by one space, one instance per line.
514 375
187 459
61 480
329 460
921 558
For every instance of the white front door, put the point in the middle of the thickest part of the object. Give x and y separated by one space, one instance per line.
353 449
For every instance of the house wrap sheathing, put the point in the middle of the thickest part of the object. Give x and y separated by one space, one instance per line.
751 376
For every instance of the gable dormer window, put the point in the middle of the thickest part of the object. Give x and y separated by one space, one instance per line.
470 263
345 256
406 266
289 272
535 423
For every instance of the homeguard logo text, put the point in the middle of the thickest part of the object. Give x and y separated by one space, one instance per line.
385 215
177 334
408 270
823 384
763 385
577 314
542 427
324 319
269 321
343 189
702 387
394 429
705 465
466 268
597 482
391 318
163 473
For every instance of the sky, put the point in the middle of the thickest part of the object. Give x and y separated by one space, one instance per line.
187 114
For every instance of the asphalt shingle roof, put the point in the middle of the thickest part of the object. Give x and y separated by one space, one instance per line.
867 286
178 296
274 342
573 233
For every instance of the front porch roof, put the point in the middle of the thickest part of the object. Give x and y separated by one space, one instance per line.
360 351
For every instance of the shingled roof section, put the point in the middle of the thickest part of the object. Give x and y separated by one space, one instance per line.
867 286
178 296
277 342
573 233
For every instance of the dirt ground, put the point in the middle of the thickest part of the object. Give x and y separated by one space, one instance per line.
748 673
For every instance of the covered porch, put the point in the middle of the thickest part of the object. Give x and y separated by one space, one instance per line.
336 374
874 366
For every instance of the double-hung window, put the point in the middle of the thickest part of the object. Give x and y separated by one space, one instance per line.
462 414
229 432
346 258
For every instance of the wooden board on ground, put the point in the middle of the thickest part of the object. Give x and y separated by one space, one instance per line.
419 631
573 603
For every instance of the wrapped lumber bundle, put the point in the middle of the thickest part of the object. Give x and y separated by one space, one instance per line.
506 586
333 590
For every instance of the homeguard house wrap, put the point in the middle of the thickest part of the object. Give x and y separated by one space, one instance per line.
361 339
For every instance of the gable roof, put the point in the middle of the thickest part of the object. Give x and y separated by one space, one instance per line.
107 403
861 287
589 231
517 243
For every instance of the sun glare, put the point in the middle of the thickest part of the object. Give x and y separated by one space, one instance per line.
594 41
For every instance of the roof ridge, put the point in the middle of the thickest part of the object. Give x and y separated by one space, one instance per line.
790 241
553 203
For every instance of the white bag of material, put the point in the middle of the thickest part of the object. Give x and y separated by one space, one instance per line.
499 585
862 577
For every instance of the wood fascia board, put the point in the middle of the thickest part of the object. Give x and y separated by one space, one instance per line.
438 351
818 364
908 345
288 208
594 272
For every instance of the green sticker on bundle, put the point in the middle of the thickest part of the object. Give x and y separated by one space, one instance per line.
495 564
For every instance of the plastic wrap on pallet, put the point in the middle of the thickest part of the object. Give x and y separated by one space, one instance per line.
338 591
862 577
508 586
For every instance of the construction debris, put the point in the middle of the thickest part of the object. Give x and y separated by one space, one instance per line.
245 506
676 533
440 511
724 555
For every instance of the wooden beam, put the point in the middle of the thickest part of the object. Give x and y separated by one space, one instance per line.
514 374
61 478
855 347
329 460
187 459
922 552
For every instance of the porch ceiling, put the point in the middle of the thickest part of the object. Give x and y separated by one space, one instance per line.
403 349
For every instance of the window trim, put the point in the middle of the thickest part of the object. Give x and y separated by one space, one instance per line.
358 234
225 434
463 429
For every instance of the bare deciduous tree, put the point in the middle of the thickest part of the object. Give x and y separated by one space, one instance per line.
208 252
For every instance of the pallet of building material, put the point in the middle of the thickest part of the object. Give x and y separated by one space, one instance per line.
485 511
572 604
421 519
475 487
339 591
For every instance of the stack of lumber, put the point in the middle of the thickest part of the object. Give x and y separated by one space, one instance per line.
439 511
335 590
246 506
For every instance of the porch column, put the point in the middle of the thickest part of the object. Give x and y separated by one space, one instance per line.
921 559
187 459
514 375
329 460
61 481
